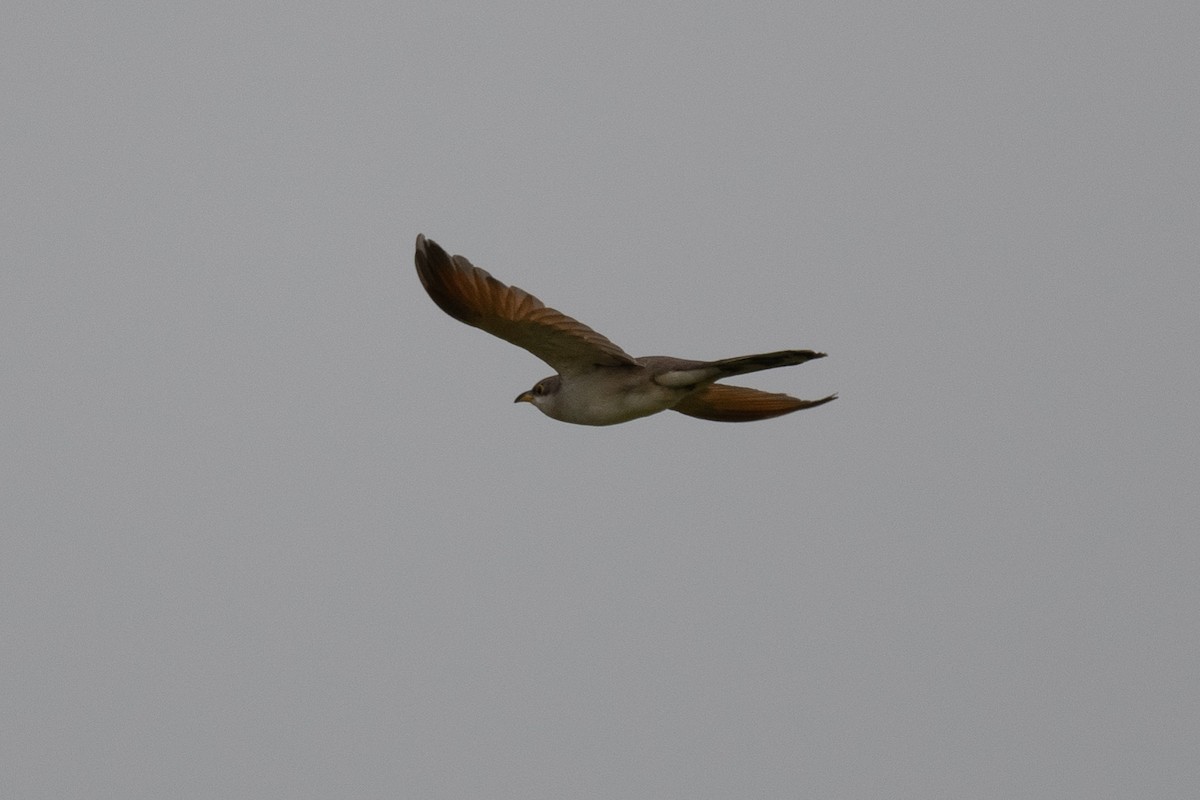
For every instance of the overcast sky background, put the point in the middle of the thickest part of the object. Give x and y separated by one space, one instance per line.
272 526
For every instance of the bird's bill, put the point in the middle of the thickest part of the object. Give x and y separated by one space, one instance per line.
524 397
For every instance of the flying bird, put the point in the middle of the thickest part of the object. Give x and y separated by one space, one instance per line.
598 383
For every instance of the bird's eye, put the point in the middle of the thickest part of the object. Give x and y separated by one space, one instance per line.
540 389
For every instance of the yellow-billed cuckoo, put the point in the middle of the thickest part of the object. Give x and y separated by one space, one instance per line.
598 383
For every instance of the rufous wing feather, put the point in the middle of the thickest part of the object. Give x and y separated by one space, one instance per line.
472 295
720 402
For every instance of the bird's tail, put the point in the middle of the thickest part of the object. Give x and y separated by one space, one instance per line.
755 363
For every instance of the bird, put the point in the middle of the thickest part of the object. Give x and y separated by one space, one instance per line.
598 383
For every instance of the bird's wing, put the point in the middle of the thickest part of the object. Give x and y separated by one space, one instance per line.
471 295
723 403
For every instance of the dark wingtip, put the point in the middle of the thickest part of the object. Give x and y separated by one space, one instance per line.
424 246
427 250
421 251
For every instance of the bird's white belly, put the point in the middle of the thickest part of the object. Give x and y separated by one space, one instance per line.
601 401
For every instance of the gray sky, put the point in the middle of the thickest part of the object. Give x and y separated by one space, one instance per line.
272 526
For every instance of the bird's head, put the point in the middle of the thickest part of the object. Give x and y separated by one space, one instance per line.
541 393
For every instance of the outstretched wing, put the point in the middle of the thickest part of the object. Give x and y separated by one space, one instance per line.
723 403
471 295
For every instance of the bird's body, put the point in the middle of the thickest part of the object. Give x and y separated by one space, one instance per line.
598 383
604 396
